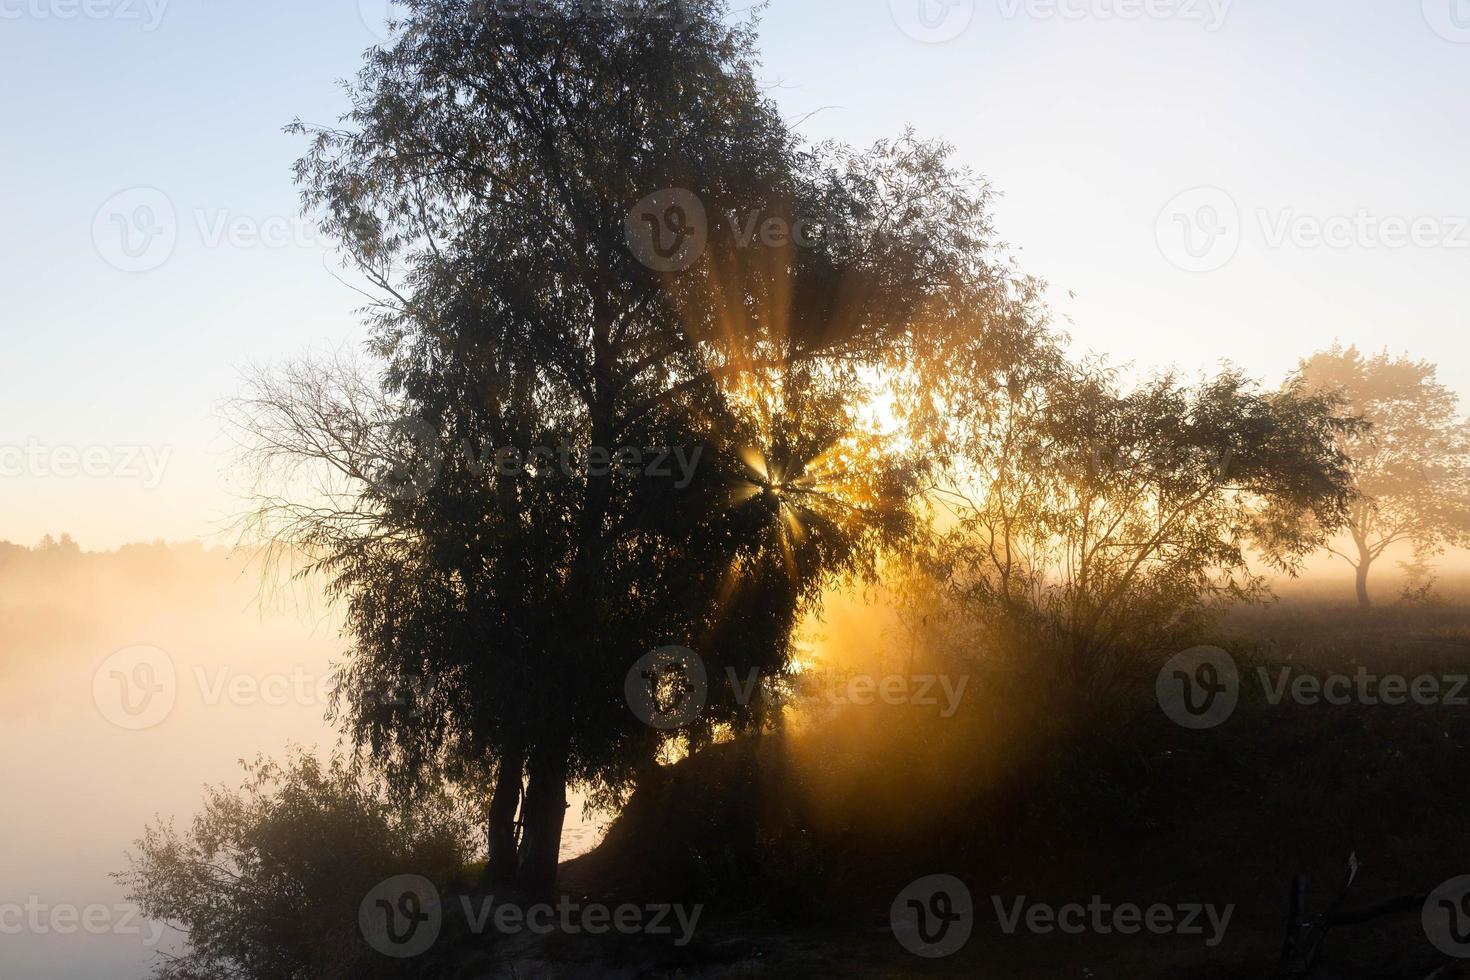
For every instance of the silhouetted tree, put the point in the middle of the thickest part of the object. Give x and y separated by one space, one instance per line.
1410 464
487 182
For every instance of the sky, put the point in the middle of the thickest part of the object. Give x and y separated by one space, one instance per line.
1199 181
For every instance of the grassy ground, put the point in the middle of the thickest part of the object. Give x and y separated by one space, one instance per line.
1128 807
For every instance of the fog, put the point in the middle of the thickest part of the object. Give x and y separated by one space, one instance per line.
131 679
81 776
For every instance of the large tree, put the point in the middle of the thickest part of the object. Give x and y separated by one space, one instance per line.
487 183
1410 463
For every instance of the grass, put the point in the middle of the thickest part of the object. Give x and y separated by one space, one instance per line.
1018 799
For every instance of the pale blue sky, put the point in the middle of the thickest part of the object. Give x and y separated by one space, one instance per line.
1089 120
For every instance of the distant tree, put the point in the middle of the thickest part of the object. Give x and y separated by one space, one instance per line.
1104 526
1410 465
267 882
65 547
484 183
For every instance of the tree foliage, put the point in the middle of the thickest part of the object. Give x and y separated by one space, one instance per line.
483 183
1103 526
267 881
1410 463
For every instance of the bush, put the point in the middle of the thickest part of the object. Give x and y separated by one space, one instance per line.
268 881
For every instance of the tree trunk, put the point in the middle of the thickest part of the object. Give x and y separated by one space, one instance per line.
545 810
1365 561
545 813
504 801
1364 603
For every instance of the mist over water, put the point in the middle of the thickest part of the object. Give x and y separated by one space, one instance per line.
78 785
